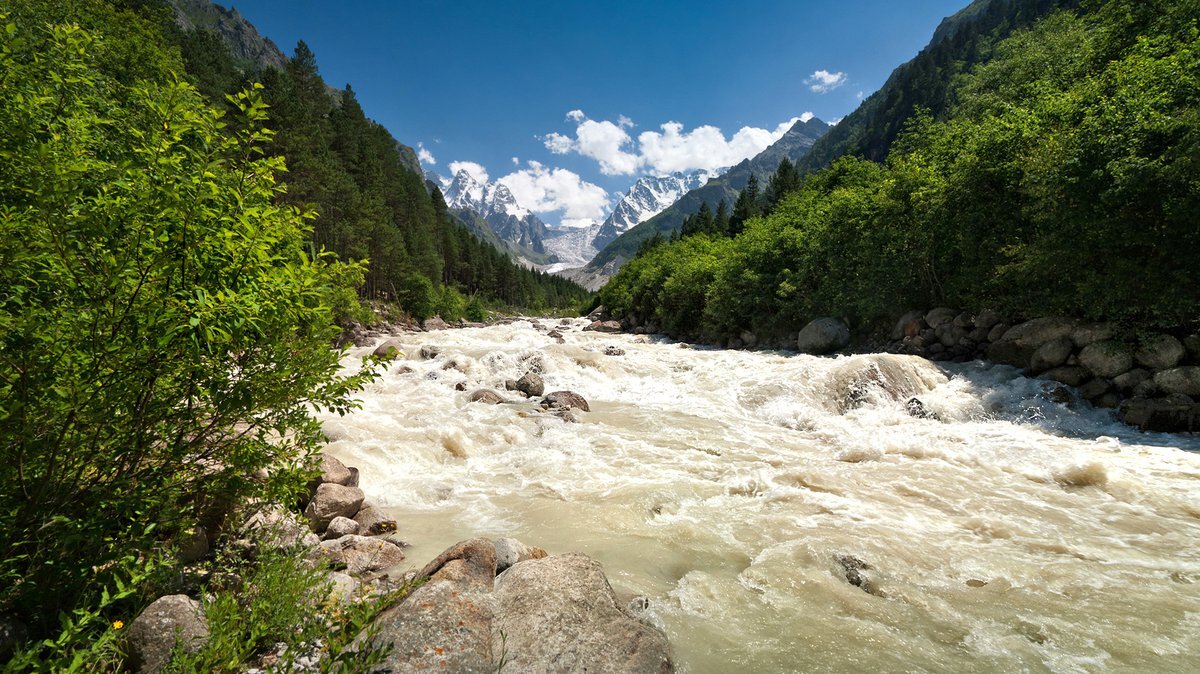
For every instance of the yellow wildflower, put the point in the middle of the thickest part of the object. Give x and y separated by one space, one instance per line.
118 624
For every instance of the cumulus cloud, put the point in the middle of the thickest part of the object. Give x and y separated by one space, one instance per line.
474 170
424 155
671 148
823 81
545 190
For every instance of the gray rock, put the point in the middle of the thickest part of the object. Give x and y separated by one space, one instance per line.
1160 415
1192 344
361 554
531 384
275 527
510 384
510 551
372 521
987 319
1159 352
486 396
435 323
965 320
1109 358
565 400
1051 354
153 635
748 338
1131 379
1146 389
342 586
822 336
334 471
909 325
389 349
330 501
559 614
1090 333
1071 375
979 335
341 526
1185 380
940 316
353 481
555 334
997 332
949 334
603 326
429 352
1019 342
598 313
1094 388
616 351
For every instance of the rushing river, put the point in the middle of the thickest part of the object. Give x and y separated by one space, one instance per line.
741 491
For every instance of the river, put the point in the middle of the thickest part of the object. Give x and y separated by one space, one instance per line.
742 491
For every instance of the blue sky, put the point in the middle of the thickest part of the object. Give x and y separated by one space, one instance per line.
567 101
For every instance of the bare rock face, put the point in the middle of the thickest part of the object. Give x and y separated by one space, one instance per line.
362 554
330 501
565 400
549 614
152 635
824 335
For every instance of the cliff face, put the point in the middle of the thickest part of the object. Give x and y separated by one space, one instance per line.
239 34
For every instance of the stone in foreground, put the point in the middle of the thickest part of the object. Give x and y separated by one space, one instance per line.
822 336
153 634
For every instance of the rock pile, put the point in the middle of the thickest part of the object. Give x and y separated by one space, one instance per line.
1153 377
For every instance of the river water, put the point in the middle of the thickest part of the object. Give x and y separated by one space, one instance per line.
741 492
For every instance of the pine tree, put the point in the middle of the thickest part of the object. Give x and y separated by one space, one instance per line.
745 207
786 179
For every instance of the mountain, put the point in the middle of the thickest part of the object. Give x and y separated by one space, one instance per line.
238 34
521 232
793 145
648 197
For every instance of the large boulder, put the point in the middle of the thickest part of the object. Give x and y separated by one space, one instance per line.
372 521
274 527
486 396
559 614
1185 380
389 349
603 326
531 384
362 554
858 380
1108 358
823 335
987 319
330 501
939 317
1090 333
153 635
435 323
909 325
334 471
341 526
1159 352
1018 344
1051 355
565 400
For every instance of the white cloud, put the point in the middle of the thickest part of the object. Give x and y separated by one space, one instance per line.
823 81
474 170
546 190
806 117
424 155
672 148
859 95
516 162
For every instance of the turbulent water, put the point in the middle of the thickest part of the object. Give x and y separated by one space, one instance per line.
742 492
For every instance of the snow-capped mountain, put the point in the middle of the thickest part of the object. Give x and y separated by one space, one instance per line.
648 197
514 224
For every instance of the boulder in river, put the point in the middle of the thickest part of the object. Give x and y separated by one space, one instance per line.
341 526
334 471
603 326
372 521
429 352
1018 344
1185 380
330 501
1109 358
486 396
614 351
172 621
565 400
531 384
1159 352
362 554
881 377
389 349
1163 415
822 336
1051 355
1071 375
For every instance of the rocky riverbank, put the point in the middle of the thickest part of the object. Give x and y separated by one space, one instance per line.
480 606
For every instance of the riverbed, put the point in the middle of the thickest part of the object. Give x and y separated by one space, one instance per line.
782 512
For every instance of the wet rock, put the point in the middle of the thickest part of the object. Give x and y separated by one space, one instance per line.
940 316
1106 359
460 386
887 377
154 634
510 384
334 471
429 352
909 325
1056 393
822 336
486 396
531 384
389 349
330 501
603 326
567 416
1051 355
613 351
855 571
361 554
565 400
1071 375
510 551
340 526
372 521
554 334
1159 352
560 614
1089 333
916 408
598 314
1018 344
1094 388
1160 415
1185 380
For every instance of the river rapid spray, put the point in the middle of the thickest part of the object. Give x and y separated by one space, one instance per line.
1006 532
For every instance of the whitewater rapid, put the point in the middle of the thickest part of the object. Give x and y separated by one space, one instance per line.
1003 531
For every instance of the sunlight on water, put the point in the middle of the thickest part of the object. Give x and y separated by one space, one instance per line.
741 492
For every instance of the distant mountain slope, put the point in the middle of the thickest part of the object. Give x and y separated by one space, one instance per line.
648 197
237 33
520 232
793 145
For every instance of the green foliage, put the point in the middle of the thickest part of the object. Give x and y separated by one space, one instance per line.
452 306
1065 180
163 333
475 311
417 296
